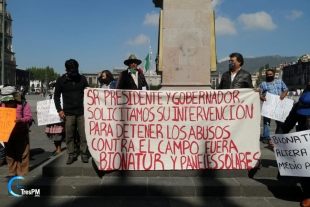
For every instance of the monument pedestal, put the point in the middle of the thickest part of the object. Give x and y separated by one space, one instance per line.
185 47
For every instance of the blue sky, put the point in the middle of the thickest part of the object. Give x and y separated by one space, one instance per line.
101 34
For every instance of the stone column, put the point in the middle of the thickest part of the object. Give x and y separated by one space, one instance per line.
186 44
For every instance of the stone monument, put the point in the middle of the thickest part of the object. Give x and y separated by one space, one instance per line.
185 43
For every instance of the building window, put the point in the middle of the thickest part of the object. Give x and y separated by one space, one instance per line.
287 81
291 81
299 69
292 71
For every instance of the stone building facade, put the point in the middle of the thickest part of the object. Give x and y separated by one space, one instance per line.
296 75
9 55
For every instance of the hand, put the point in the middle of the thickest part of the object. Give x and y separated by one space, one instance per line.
263 98
61 114
17 120
257 89
282 97
270 143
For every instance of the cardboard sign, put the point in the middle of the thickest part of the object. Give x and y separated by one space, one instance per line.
293 153
172 130
275 108
43 116
7 122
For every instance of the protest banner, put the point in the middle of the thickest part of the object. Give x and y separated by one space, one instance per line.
293 153
275 108
43 115
172 130
7 122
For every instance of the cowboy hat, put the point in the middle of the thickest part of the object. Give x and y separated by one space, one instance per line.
132 58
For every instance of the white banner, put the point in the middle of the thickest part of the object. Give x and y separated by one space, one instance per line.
293 153
43 116
275 108
172 130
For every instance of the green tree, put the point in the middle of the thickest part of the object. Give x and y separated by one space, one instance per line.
260 77
46 74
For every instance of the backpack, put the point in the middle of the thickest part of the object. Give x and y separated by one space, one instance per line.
24 102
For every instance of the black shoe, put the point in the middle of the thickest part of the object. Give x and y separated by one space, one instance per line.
84 159
265 141
71 160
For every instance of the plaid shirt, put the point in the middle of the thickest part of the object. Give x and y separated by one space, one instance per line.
276 88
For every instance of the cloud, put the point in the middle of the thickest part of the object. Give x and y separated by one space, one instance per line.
140 40
224 26
151 19
259 20
292 15
216 3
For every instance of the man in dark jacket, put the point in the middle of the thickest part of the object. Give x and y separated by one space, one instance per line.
132 78
71 86
236 77
300 113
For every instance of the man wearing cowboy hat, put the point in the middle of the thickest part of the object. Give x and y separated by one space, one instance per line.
132 78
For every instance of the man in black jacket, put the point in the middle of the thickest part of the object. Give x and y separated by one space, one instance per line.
236 77
71 86
132 78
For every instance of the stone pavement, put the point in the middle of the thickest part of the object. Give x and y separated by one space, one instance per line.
80 185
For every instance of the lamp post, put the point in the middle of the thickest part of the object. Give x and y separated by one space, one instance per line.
3 39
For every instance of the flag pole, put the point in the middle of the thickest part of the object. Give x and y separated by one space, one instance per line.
150 63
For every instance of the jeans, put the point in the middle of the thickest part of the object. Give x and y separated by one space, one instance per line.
266 133
71 123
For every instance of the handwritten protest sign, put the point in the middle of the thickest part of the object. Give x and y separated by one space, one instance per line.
275 108
172 130
52 109
7 122
44 118
293 153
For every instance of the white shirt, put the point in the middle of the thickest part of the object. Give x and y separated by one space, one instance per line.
233 75
135 77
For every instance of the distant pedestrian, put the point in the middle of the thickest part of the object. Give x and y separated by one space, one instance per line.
107 80
132 78
17 148
276 87
236 77
71 86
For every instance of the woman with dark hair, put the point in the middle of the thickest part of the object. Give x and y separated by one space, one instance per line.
107 80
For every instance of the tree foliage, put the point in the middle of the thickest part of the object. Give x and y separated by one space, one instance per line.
261 78
44 75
